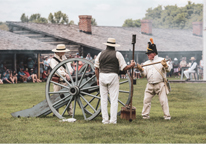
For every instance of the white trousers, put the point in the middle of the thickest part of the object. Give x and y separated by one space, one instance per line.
187 73
150 91
58 88
109 83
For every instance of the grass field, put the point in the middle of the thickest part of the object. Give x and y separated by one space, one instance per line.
187 107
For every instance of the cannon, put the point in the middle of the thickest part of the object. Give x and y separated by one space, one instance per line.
81 90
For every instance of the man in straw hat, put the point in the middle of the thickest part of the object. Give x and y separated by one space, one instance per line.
192 69
156 81
60 55
107 65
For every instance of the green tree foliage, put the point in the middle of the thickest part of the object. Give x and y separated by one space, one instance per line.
36 18
132 23
58 18
24 18
71 22
93 22
174 16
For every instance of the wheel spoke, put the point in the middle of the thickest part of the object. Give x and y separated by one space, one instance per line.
97 104
83 74
59 84
121 102
90 87
76 81
91 100
123 91
69 73
67 106
87 81
75 100
81 106
123 82
63 78
89 94
88 103
54 104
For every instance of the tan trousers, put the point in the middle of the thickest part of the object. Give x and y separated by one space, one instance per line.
58 88
150 91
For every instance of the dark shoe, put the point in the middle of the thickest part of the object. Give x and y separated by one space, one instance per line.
187 79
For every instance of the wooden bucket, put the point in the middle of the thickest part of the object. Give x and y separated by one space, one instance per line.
125 113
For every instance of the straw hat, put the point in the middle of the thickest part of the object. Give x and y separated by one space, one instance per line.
111 42
45 57
192 58
60 48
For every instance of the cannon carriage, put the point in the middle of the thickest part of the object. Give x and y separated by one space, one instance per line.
81 90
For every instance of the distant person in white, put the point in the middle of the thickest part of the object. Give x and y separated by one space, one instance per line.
107 65
192 68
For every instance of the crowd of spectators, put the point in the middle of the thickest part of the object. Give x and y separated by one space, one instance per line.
27 72
175 64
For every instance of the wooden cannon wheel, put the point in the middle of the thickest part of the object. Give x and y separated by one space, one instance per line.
81 89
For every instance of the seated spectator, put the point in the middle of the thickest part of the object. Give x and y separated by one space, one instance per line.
34 76
6 76
22 76
1 82
88 57
77 55
176 67
183 63
45 75
30 63
80 64
192 69
46 64
13 76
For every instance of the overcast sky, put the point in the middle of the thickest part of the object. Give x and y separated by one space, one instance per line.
106 12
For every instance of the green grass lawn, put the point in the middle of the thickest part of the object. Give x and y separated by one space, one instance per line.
187 107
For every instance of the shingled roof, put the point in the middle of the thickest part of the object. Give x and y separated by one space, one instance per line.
11 41
165 39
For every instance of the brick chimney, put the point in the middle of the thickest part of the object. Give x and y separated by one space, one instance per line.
146 27
197 28
85 24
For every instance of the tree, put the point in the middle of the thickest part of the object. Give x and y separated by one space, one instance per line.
51 18
58 17
93 22
34 17
71 22
132 23
24 18
128 23
174 16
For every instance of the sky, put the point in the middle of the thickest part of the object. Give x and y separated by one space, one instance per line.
106 12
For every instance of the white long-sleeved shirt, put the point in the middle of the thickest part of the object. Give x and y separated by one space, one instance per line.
61 70
193 66
119 56
153 76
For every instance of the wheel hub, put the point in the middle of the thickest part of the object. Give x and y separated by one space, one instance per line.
74 90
